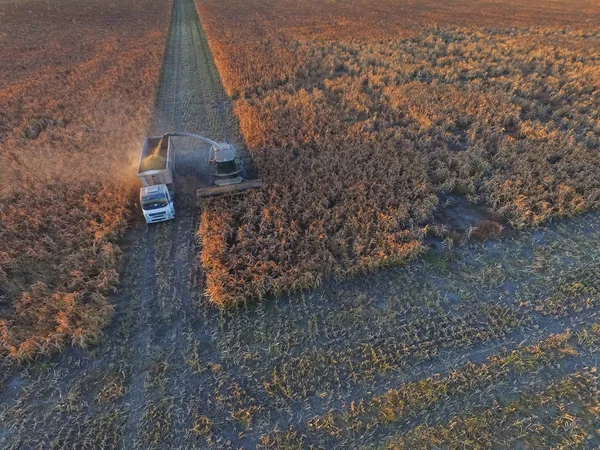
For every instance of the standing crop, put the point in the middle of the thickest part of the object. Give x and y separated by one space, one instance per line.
358 121
75 96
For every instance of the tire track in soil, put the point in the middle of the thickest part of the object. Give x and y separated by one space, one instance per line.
139 344
191 99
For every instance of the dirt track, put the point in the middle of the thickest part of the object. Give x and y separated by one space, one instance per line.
173 373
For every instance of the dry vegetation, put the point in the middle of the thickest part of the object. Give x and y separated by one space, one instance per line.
496 342
492 344
77 86
359 119
561 415
357 376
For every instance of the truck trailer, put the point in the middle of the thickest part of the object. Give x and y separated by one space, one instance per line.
156 172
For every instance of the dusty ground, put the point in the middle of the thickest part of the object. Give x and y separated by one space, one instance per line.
172 372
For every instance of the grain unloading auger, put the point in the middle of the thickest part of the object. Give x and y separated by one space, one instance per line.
156 171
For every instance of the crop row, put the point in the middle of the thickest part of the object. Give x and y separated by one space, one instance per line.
357 139
561 415
320 370
412 398
364 420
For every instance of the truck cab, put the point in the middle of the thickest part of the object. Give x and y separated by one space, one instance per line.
157 203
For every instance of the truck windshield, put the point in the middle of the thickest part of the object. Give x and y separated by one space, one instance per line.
154 201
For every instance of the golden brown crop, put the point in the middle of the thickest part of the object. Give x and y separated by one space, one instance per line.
75 96
359 114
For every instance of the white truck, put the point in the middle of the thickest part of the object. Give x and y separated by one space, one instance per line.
156 171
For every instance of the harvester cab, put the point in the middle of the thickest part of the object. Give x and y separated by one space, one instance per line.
228 173
226 163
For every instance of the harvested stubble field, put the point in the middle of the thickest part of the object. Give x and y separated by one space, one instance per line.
360 121
76 88
490 344
494 345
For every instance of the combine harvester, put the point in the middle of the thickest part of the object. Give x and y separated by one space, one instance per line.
156 171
